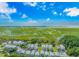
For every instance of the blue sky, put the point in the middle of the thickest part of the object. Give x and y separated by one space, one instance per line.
36 13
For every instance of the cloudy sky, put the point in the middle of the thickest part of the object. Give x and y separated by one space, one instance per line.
38 13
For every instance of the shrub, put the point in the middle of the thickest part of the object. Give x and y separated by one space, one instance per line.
70 41
73 51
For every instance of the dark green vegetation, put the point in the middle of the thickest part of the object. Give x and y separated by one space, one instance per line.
72 44
69 37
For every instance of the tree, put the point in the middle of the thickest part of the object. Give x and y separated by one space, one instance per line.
73 51
70 41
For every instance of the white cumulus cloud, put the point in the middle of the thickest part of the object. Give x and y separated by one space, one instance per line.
48 19
44 7
55 13
52 4
60 14
72 11
24 16
32 4
5 10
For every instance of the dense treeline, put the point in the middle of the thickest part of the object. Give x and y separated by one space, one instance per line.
72 44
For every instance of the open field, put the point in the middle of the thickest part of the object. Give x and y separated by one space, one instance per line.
26 33
42 36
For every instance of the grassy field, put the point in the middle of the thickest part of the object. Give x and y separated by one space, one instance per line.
27 33
36 35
